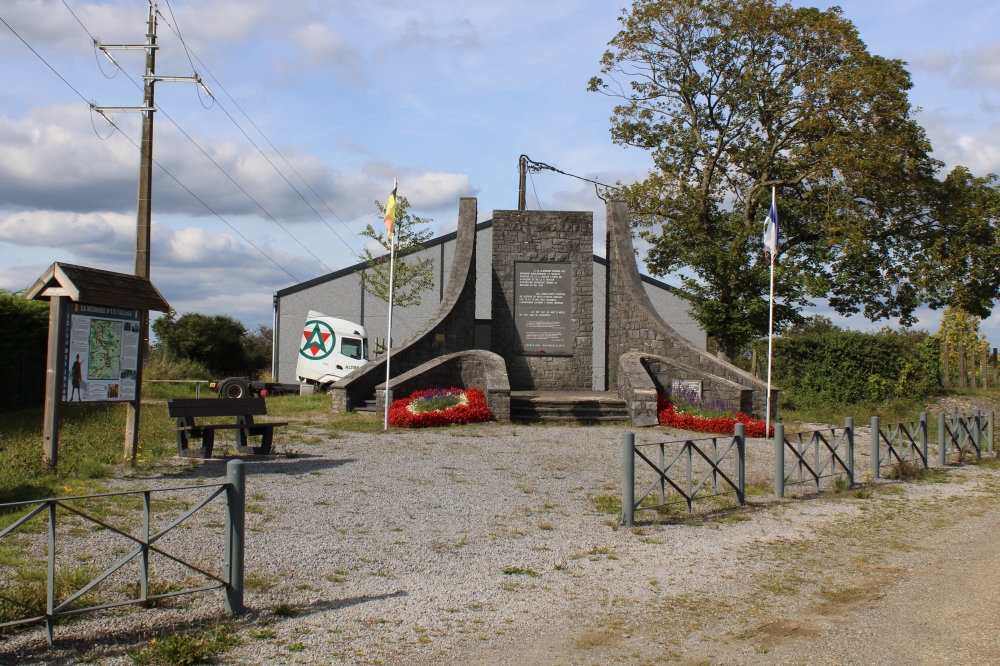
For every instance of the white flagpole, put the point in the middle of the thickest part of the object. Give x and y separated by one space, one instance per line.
770 327
388 339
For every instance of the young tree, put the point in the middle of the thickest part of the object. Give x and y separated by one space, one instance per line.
412 276
734 97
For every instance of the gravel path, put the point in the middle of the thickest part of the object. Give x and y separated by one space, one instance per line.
484 544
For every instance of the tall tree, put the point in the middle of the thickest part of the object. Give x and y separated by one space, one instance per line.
412 276
734 97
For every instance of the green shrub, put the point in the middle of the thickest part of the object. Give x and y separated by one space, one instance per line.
848 367
24 329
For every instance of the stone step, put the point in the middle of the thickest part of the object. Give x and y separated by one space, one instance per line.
568 408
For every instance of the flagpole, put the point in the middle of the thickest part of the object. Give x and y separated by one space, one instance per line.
770 324
388 340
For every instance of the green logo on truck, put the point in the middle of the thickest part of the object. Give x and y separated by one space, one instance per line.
318 340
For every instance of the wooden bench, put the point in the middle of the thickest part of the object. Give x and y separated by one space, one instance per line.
244 409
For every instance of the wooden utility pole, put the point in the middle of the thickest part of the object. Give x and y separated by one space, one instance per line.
522 167
143 228
947 367
54 378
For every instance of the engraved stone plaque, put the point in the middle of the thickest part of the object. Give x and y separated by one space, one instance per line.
542 317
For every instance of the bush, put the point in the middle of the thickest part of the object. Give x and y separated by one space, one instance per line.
848 367
218 343
24 330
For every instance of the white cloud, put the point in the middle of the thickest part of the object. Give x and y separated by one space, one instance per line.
968 68
458 34
53 161
978 149
324 47
194 269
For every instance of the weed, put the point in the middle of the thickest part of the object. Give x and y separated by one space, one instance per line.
609 504
907 470
29 589
284 610
841 483
519 571
258 583
184 648
263 634
545 526
258 497
296 647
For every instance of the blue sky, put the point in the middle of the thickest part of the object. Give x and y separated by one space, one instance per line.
442 95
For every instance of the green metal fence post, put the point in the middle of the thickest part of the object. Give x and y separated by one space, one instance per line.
942 442
977 428
144 583
989 430
50 579
628 479
740 432
923 438
876 461
779 460
849 437
235 517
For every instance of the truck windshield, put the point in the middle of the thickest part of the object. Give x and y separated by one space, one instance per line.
350 347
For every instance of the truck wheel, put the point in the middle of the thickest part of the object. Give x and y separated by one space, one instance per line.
235 389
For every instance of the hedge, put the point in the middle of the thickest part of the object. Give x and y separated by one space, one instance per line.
848 367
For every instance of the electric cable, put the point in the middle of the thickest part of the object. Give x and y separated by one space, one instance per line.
269 142
535 167
203 152
162 168
537 200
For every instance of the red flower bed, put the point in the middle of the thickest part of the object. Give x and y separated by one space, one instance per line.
719 425
473 411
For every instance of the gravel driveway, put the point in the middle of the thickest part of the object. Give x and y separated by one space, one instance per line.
484 544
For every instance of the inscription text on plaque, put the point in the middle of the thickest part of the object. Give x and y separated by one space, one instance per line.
542 301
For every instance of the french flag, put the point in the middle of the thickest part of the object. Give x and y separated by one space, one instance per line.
771 226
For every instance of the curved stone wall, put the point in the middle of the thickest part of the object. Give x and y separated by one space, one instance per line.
474 368
635 326
450 330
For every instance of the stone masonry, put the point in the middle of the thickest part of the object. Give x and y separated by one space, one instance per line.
540 236
635 326
451 329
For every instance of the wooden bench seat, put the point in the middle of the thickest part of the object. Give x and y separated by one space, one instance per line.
186 410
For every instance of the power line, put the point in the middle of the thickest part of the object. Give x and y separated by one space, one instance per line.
203 152
535 167
190 53
174 178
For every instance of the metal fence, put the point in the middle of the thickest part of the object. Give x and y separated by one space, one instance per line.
815 455
197 383
963 435
899 442
702 457
231 580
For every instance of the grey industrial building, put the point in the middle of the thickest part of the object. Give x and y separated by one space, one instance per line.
341 294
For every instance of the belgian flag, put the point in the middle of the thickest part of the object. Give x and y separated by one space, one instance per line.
390 211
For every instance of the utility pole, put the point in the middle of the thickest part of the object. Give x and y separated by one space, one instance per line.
522 166
144 213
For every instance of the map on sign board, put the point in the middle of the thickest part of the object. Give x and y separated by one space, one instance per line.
105 344
101 358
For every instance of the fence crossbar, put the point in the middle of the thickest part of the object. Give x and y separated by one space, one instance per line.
45 501
132 602
816 436
662 474
153 539
897 432
21 521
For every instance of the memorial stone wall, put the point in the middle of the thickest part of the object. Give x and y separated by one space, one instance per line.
542 312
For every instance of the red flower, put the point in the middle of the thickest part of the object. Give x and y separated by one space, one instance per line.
719 425
473 411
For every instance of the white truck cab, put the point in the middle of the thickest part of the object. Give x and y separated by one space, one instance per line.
329 349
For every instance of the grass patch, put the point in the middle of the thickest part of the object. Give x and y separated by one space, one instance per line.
519 571
184 648
606 503
284 610
258 583
28 588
